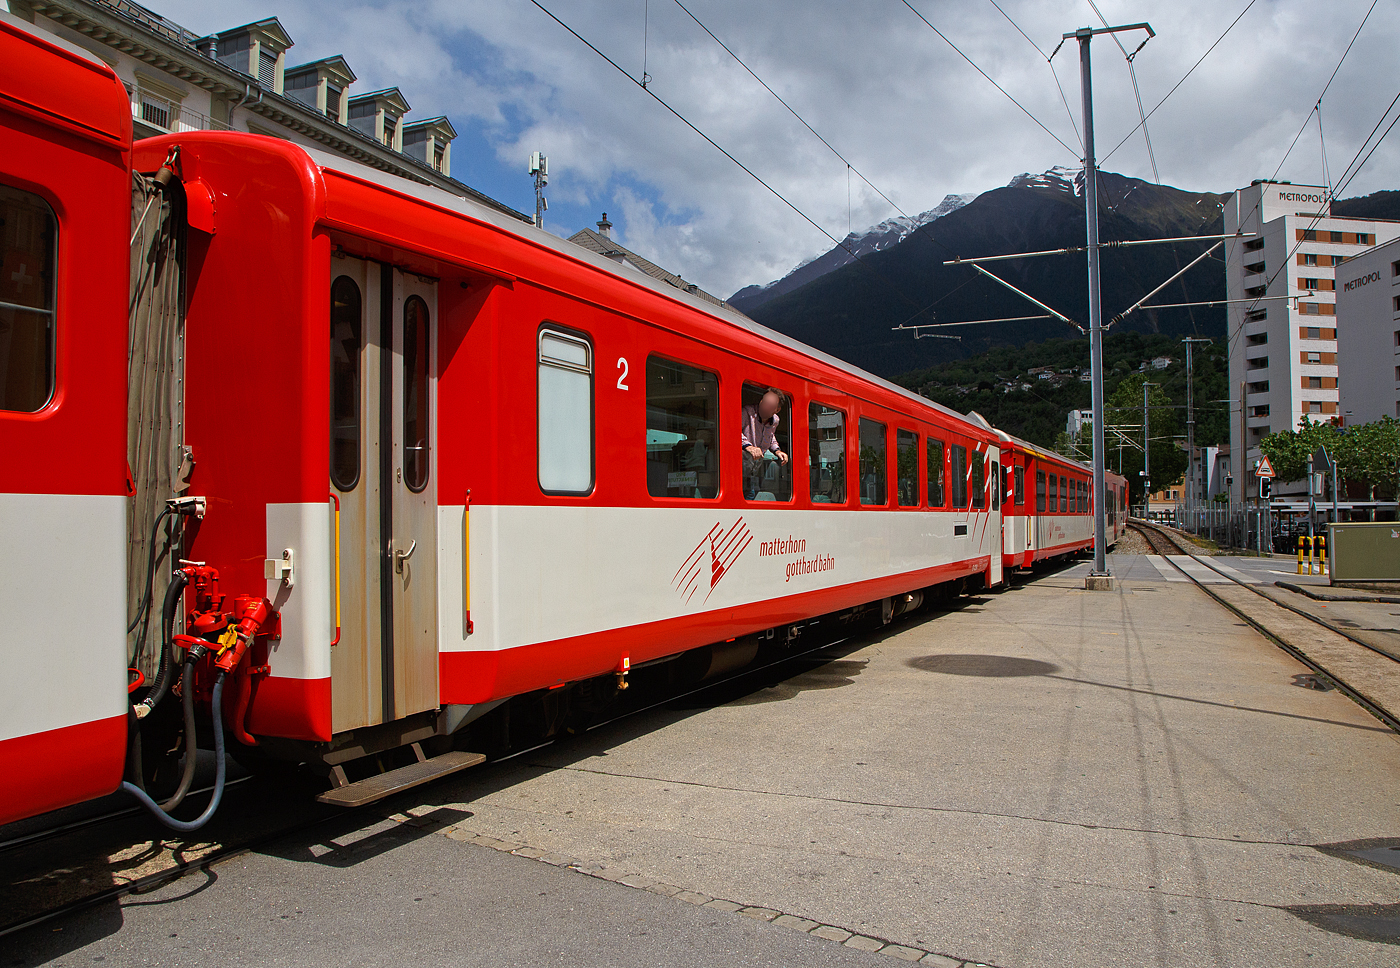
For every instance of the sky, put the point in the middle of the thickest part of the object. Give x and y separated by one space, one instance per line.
895 99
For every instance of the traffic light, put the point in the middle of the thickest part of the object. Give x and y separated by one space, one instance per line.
1266 488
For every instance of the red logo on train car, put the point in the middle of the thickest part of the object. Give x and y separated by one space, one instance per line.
711 559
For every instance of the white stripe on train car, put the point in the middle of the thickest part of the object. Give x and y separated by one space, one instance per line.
540 574
63 598
308 617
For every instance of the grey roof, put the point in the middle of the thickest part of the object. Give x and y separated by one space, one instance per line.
608 247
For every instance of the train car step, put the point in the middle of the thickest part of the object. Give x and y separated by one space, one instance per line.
404 778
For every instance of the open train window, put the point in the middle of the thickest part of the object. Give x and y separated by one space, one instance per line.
565 418
1064 494
682 417
29 243
766 426
346 347
1040 491
933 450
874 489
907 467
978 476
958 472
826 454
1019 484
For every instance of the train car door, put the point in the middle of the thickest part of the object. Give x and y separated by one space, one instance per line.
995 518
383 425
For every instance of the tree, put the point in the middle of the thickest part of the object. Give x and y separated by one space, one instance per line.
1168 461
1370 454
1289 450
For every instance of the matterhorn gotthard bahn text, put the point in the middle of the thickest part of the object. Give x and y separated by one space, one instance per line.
847 308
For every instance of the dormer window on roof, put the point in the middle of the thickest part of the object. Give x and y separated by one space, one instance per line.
321 85
257 49
378 114
430 142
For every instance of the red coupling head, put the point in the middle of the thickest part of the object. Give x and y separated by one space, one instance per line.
249 623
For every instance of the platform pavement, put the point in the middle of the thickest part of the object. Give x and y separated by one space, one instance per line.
1046 777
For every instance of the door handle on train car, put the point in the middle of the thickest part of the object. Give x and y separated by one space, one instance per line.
401 556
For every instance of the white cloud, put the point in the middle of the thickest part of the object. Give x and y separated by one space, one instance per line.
883 88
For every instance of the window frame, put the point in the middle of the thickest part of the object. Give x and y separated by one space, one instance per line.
789 404
941 482
883 488
718 423
568 334
814 453
958 476
900 432
1018 485
977 474
1064 494
51 311
1040 491
427 402
357 364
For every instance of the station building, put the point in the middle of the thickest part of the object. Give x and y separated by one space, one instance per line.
1282 314
244 79
1368 341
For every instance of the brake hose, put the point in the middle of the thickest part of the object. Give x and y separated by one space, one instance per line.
191 744
220 772
164 664
150 571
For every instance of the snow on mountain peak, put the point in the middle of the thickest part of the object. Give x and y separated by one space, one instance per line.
1058 179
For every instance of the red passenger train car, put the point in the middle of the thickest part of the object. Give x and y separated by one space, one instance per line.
424 458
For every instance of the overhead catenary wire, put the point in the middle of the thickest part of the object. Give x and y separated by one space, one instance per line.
722 150
1180 82
1049 61
1009 97
1137 93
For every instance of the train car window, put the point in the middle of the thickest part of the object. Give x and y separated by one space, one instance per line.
1019 482
958 472
1083 498
998 482
907 467
767 477
1040 491
874 488
826 454
682 425
415 393
1064 494
933 450
346 348
565 419
1053 496
978 484
29 242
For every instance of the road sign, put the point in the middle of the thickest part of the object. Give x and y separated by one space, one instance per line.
1266 488
1265 468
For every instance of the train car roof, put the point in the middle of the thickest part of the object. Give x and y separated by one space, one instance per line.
443 199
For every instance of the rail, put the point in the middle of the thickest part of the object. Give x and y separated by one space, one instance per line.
1158 539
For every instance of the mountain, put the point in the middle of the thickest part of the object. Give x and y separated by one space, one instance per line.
851 309
888 233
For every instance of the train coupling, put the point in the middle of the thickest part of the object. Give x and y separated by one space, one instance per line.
624 666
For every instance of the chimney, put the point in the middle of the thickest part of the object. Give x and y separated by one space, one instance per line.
605 227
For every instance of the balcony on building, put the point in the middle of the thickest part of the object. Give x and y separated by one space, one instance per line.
321 85
430 142
257 49
379 114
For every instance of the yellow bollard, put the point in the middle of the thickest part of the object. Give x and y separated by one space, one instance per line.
1301 538
1322 554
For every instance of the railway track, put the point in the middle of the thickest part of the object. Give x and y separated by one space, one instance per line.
1367 673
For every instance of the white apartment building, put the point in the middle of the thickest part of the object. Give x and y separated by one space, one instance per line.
1368 337
242 80
1282 315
